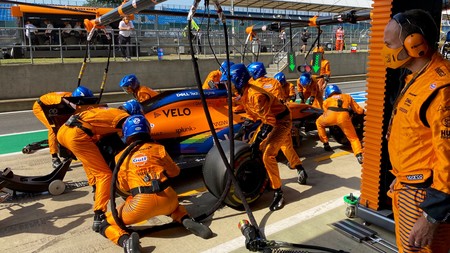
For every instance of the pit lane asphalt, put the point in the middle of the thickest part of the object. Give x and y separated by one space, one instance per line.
45 223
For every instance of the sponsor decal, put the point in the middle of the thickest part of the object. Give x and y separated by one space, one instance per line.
408 102
432 86
139 160
446 121
177 112
414 177
443 108
445 134
184 129
220 123
403 110
439 71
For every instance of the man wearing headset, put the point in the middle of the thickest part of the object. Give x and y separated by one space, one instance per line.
145 173
131 85
56 99
80 134
418 134
274 133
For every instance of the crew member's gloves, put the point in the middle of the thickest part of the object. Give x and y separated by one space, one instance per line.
292 98
245 127
310 100
301 97
262 134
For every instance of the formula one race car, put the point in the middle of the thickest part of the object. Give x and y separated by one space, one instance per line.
178 122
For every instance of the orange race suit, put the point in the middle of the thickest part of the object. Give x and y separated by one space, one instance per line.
212 80
312 90
336 112
80 136
271 85
144 168
322 80
339 39
419 149
143 94
262 105
289 92
49 99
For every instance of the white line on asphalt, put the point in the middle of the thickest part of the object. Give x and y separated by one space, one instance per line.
29 132
281 225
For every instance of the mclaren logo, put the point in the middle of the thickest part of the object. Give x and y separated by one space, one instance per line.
446 121
414 177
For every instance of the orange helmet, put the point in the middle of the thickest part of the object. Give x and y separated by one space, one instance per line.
318 49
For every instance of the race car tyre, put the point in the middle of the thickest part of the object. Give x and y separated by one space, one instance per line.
56 187
339 136
250 174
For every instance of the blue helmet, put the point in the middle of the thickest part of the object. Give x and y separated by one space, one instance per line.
135 124
305 79
223 69
129 83
256 69
280 77
332 89
239 76
133 107
82 91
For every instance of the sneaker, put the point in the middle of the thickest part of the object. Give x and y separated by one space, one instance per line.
327 147
278 200
99 216
302 176
56 162
128 59
132 245
359 157
197 228
124 59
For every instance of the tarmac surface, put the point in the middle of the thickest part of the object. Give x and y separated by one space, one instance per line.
46 223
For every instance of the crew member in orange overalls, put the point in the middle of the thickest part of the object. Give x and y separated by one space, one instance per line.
336 112
213 81
288 87
55 99
419 134
145 173
274 133
340 39
258 73
131 85
79 135
308 89
323 77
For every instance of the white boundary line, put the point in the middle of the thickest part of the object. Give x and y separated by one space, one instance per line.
281 225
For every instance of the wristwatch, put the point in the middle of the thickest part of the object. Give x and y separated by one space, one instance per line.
430 219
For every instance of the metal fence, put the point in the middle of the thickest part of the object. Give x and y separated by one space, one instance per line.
147 42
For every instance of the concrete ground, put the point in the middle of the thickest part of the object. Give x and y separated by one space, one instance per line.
46 223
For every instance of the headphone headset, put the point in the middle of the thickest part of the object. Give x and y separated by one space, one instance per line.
414 43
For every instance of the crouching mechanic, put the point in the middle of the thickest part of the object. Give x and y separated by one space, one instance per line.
336 112
131 85
308 90
145 173
80 134
275 131
288 87
213 80
56 99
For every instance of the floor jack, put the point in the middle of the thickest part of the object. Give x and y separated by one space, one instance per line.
35 146
34 184
362 234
